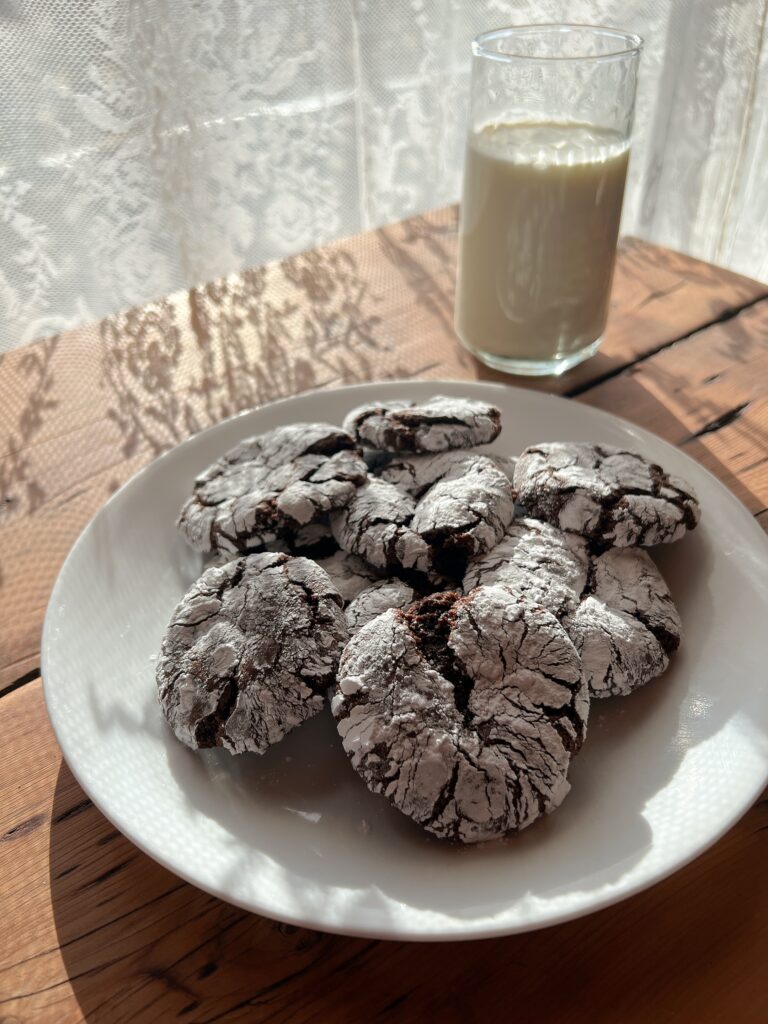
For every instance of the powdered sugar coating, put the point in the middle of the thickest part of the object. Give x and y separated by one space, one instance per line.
463 711
611 496
414 474
250 652
376 526
627 625
464 513
271 484
377 598
435 425
535 560
459 508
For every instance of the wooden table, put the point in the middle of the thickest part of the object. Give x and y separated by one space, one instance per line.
90 928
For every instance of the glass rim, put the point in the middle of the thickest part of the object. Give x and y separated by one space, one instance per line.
628 43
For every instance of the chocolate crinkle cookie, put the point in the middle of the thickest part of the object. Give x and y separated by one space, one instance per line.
436 425
463 711
416 473
271 486
610 496
377 598
626 626
376 527
250 651
434 521
535 560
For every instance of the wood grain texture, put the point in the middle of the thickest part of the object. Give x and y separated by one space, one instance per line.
706 393
91 929
81 412
94 930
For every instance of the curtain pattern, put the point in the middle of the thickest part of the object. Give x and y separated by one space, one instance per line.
154 144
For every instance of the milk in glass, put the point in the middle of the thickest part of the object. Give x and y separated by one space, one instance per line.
539 224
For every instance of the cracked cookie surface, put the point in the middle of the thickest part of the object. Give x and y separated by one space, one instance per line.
271 486
460 508
441 511
377 598
535 560
416 473
611 496
250 651
463 711
435 425
626 626
376 526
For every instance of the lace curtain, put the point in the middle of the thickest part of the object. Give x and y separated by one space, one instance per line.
148 145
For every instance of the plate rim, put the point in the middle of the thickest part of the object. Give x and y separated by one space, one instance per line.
468 930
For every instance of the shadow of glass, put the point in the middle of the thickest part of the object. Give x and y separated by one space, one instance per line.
321 830
302 805
138 944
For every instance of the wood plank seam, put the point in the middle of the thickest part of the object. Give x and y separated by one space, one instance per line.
724 317
724 420
28 677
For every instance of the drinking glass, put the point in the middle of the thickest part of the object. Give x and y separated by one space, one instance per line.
546 160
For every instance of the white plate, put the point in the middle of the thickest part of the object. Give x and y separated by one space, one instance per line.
295 834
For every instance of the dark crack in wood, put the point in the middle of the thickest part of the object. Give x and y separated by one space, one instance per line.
727 314
28 677
721 421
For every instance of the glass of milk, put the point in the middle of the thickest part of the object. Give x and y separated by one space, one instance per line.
546 159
